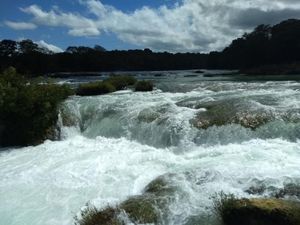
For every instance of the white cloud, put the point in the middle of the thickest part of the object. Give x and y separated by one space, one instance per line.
20 25
189 25
48 46
77 24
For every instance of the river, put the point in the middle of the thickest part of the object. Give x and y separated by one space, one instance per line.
206 134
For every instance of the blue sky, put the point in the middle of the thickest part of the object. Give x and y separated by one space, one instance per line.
162 25
9 10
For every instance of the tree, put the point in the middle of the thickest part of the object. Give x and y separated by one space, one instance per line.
28 46
8 48
99 48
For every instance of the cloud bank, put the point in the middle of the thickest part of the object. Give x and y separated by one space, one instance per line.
188 25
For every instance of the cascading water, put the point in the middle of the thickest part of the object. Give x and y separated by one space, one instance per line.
204 135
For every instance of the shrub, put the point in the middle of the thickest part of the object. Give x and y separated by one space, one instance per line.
144 86
120 82
95 88
28 111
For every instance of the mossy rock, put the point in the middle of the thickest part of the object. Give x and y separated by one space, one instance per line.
141 209
148 208
230 112
92 216
261 212
160 186
144 86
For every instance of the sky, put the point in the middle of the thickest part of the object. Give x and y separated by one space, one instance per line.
161 25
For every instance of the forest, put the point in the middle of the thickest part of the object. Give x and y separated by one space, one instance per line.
265 45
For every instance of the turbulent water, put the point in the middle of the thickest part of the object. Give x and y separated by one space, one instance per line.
114 145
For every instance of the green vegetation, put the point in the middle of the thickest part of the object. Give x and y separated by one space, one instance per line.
95 88
113 83
121 82
144 86
28 109
235 211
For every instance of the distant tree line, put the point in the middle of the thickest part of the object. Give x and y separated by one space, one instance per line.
267 44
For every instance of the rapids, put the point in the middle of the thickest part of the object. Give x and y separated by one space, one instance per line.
114 145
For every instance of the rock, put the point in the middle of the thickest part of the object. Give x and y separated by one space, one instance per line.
141 209
153 204
160 186
261 212
92 216
235 111
289 190
148 115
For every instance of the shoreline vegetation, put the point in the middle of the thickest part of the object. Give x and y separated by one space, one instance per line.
29 108
112 84
267 50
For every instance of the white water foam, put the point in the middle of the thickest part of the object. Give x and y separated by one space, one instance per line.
121 142
48 184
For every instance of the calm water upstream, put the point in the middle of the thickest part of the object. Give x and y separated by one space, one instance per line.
204 134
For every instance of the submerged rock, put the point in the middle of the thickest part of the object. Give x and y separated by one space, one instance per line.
235 111
289 190
260 212
148 115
